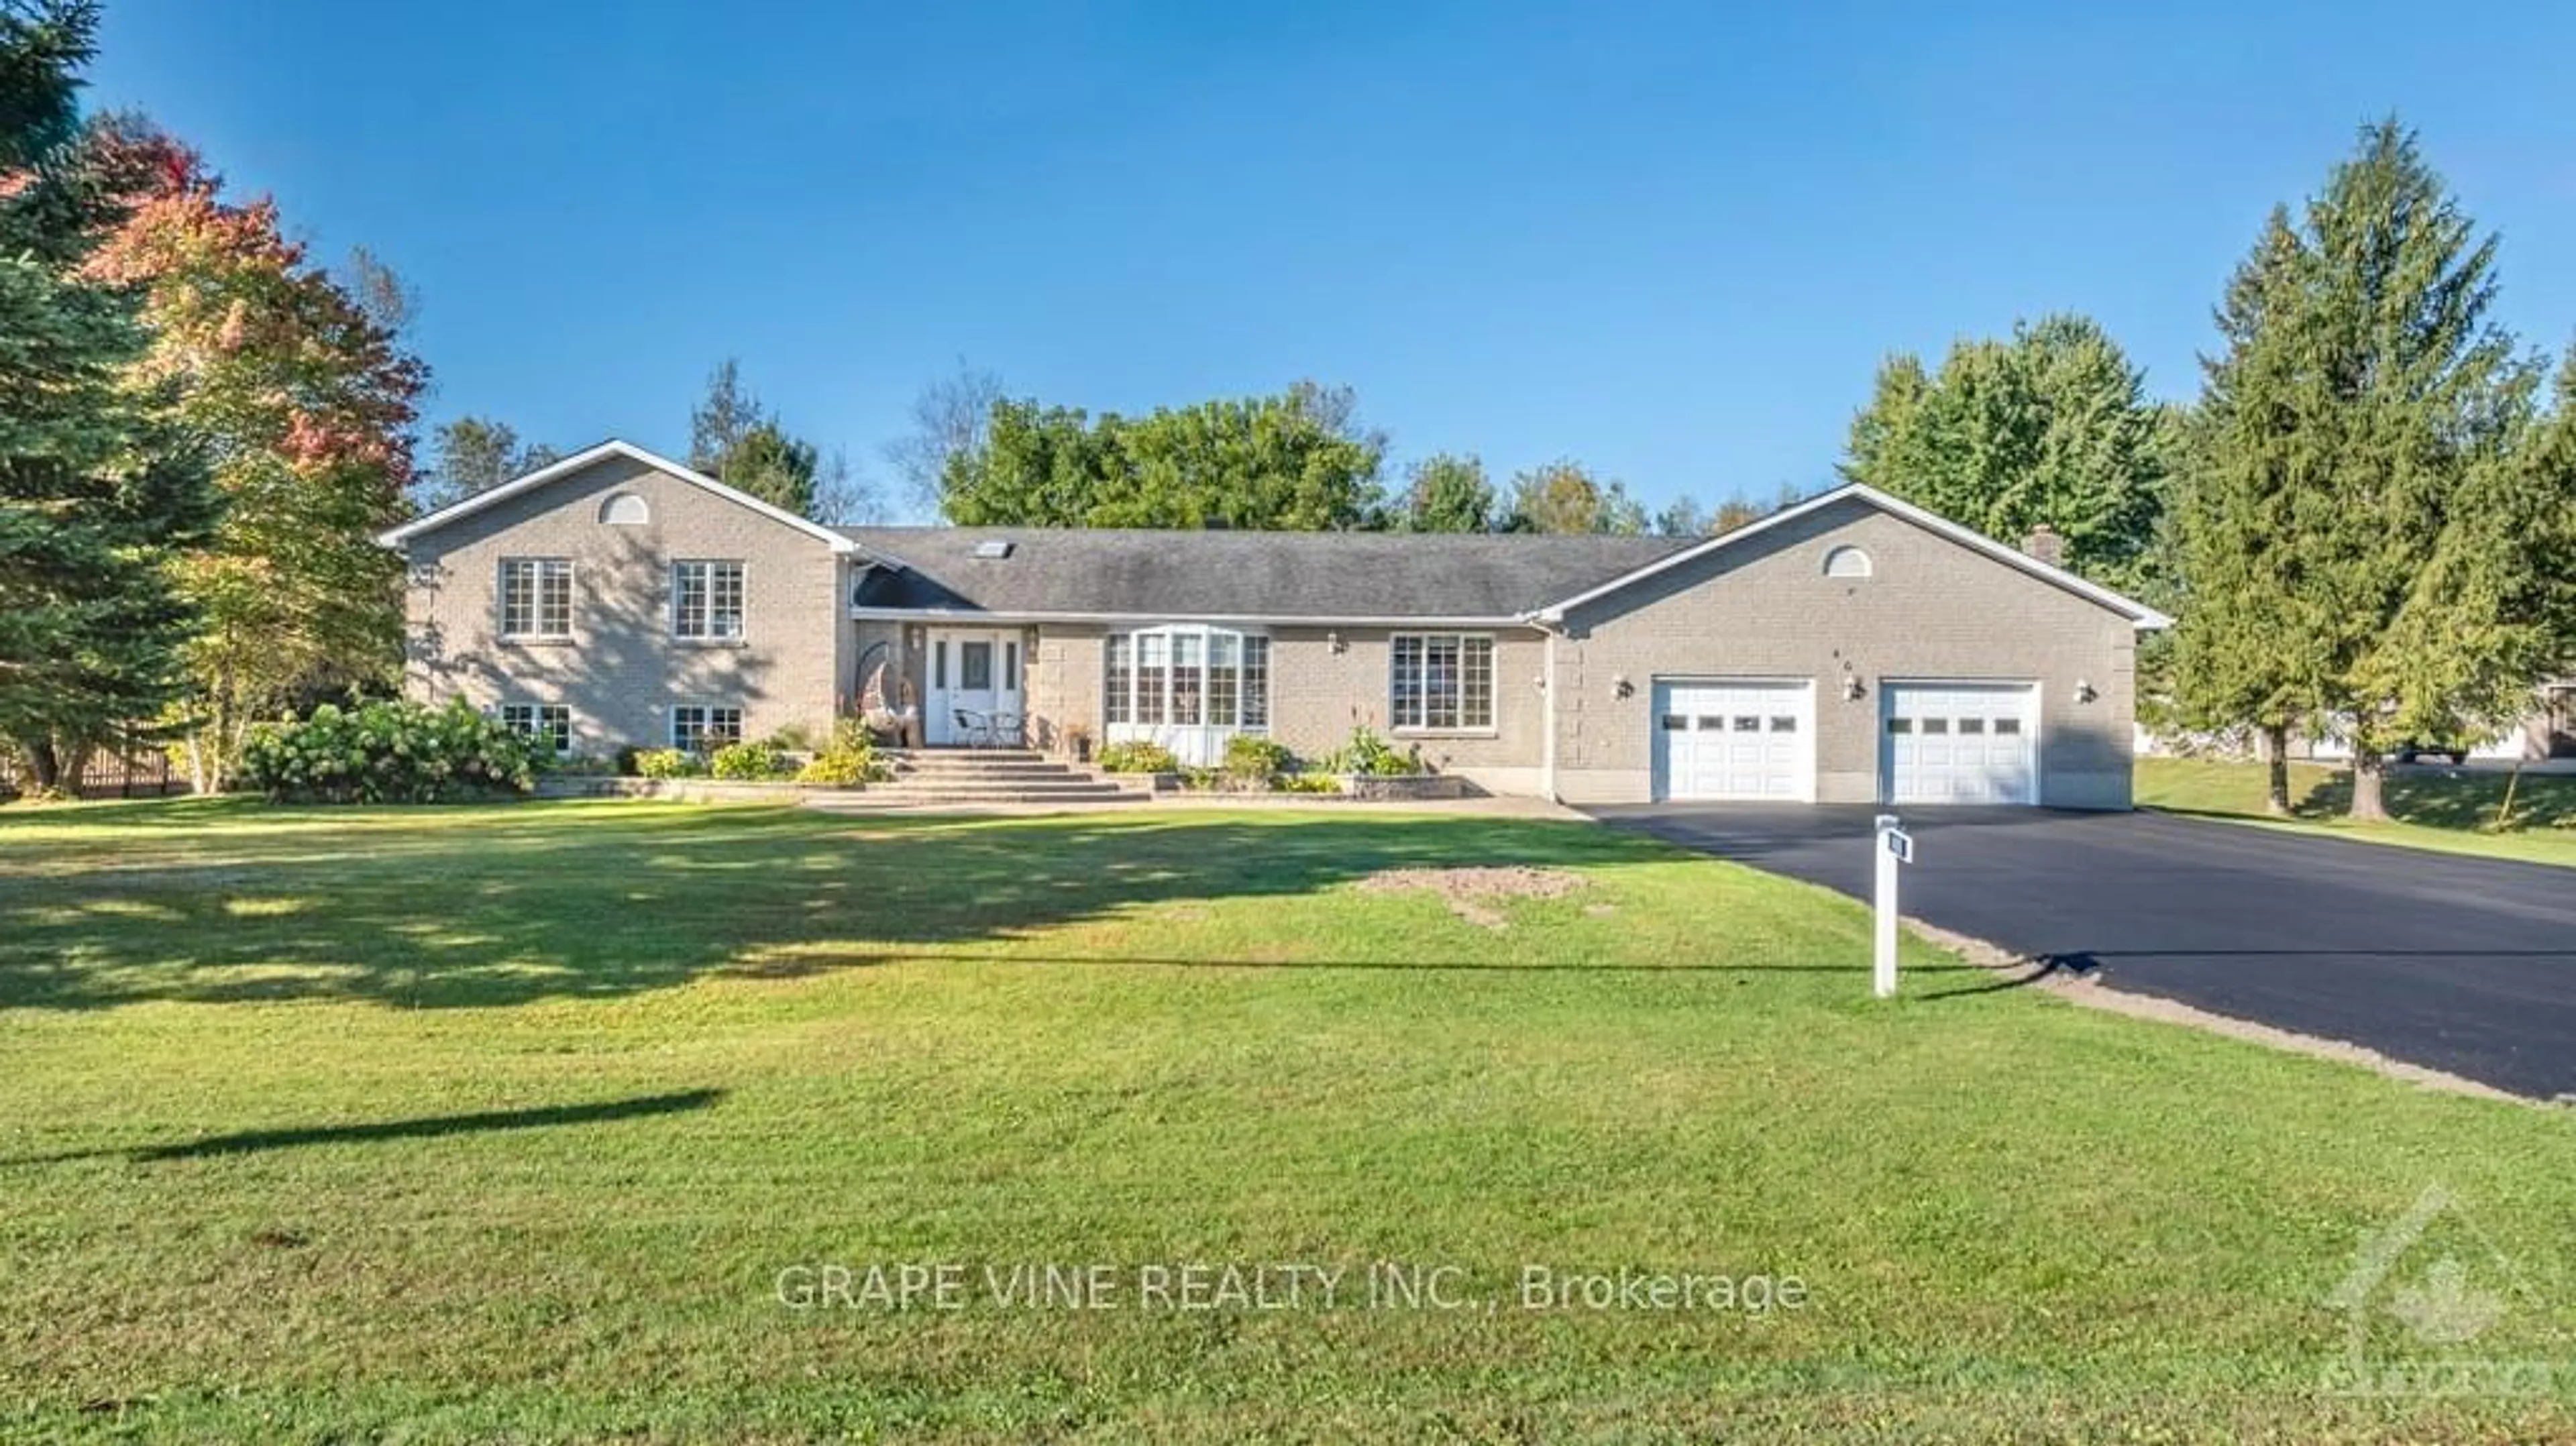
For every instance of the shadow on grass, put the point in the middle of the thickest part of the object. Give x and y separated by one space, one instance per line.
2451 798
1490 965
496 906
425 1128
2053 966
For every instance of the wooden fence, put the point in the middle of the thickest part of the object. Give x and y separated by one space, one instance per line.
143 773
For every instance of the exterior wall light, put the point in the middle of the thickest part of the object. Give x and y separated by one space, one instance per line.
1852 689
2084 691
1622 687
1333 640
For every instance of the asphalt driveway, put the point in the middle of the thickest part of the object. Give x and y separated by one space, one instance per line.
2465 965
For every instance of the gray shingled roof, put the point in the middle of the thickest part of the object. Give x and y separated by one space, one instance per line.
1243 574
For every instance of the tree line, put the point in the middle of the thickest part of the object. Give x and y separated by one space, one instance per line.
201 429
2365 521
1297 460
733 437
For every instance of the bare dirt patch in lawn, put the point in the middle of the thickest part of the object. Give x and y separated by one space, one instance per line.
1476 894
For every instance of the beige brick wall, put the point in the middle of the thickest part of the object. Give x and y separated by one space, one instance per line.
1932 609
1064 683
1318 695
1061 676
623 670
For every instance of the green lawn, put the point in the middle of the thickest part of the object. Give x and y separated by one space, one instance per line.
502 1123
2450 810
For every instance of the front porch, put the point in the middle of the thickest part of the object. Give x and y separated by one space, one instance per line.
1186 687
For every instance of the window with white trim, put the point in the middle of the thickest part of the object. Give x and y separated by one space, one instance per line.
1118 685
704 728
1186 675
1256 683
1153 676
549 725
1441 682
706 599
536 597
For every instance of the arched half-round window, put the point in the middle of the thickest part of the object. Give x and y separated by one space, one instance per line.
1847 562
625 510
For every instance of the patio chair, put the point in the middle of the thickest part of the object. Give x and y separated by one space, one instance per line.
976 728
1010 730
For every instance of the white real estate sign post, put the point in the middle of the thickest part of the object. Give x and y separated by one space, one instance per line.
1895 847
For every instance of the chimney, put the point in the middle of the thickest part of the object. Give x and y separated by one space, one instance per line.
2045 545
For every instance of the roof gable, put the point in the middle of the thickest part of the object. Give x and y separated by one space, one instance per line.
588 458
2137 612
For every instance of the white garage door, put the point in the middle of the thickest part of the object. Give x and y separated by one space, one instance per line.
1735 739
1959 743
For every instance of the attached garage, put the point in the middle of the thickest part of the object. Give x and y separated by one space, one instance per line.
1959 742
1739 738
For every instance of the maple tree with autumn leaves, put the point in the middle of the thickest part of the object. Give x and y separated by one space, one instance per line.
216 429
306 400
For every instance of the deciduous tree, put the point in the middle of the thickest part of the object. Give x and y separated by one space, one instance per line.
1564 496
950 418
843 497
739 442
475 454
1295 461
2051 426
1446 492
305 400
1684 517
719 421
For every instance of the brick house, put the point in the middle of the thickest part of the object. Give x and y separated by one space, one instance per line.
1852 648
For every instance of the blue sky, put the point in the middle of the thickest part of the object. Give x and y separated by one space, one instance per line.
1671 241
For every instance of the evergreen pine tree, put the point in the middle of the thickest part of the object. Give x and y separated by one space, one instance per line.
2370 542
97 491
2238 656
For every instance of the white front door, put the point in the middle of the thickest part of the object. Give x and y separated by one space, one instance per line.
975 693
1959 743
1735 738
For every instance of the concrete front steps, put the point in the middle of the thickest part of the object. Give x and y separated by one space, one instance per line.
984 777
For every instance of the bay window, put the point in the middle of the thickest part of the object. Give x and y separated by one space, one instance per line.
1153 676
1256 683
1118 683
1185 686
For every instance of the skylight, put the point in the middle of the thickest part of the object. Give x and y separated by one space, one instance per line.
997 547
